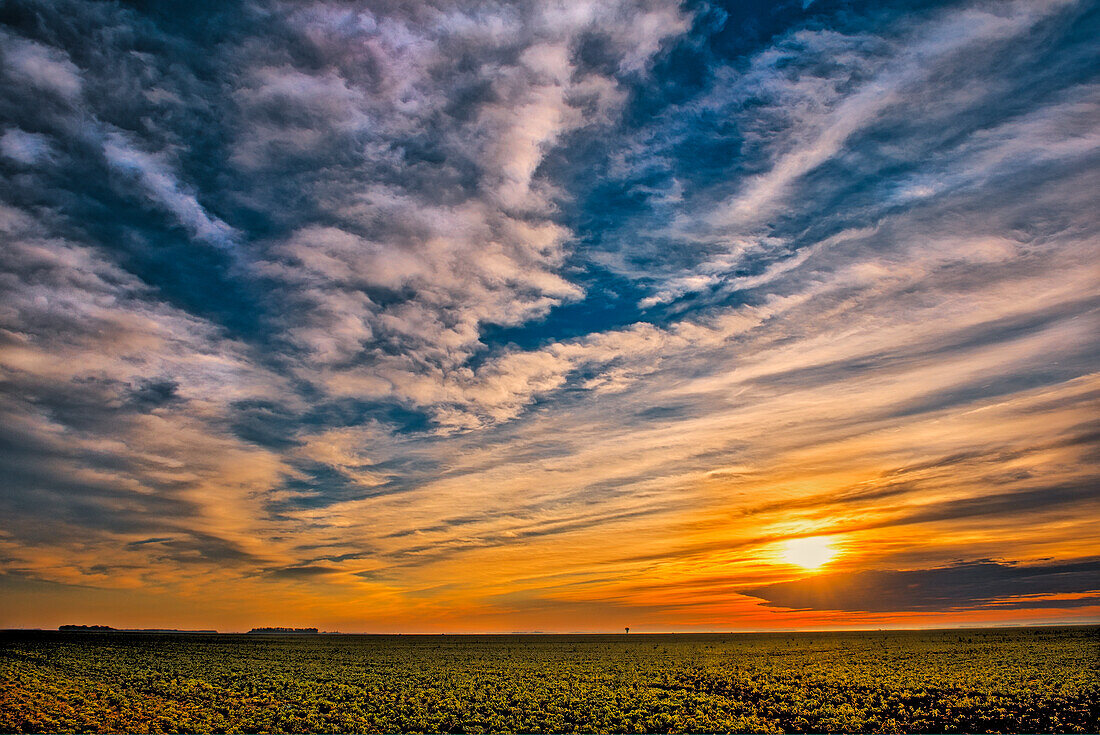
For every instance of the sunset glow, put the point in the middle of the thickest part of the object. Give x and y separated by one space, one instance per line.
809 553
558 316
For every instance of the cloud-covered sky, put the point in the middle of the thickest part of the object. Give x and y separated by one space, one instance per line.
392 316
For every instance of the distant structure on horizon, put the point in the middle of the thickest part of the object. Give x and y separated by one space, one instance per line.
284 631
628 631
109 629
86 628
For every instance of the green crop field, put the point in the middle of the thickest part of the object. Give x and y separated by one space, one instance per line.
991 680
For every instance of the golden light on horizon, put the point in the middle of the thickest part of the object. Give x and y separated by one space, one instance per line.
809 553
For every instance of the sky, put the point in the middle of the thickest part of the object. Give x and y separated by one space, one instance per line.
471 316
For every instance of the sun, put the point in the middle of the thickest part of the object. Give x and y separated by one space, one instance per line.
809 553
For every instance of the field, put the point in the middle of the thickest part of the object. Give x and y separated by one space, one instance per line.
992 680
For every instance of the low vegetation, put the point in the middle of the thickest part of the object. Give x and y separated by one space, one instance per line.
1018 680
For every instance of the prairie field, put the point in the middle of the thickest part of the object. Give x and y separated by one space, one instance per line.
979 680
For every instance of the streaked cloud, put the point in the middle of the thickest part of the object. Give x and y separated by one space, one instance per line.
556 316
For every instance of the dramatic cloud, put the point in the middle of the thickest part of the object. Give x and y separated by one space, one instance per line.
408 316
963 585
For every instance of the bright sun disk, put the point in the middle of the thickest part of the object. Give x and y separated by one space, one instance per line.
809 553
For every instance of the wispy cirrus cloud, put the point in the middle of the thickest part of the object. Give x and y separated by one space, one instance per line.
412 309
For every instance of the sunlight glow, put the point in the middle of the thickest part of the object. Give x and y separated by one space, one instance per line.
809 553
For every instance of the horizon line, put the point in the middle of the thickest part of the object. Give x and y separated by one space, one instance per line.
746 631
